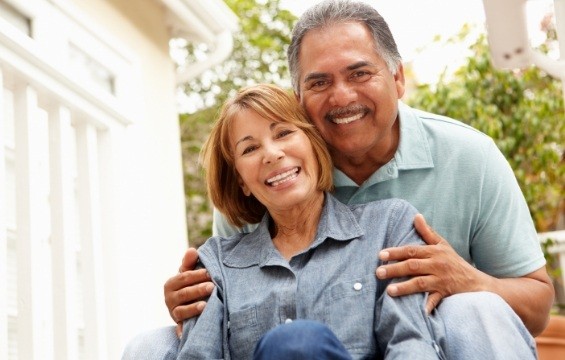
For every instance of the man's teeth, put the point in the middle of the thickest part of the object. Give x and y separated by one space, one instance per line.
348 119
284 177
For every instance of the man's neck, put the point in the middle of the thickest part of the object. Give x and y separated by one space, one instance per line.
360 167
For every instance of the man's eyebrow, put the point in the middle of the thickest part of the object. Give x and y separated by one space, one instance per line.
359 64
354 66
315 76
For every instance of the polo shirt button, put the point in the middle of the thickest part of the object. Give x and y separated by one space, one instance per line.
288 321
357 286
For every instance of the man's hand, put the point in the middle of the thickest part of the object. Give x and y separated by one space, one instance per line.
435 268
185 292
440 271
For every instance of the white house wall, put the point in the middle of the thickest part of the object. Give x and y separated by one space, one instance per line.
92 216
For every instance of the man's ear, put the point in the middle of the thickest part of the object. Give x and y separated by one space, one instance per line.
400 81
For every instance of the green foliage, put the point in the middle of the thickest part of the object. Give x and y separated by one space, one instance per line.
259 55
522 111
551 258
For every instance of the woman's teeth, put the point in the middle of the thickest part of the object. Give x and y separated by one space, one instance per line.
284 177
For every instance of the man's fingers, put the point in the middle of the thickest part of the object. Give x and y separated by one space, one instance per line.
178 330
404 252
434 299
187 278
176 296
426 232
417 284
188 295
409 267
195 292
189 260
183 312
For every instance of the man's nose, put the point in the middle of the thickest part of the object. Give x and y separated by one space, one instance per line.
342 94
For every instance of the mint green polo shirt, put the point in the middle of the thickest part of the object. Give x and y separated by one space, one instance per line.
459 180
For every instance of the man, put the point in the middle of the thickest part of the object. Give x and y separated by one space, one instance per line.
347 74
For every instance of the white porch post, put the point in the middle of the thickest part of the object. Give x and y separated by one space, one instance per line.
63 245
91 264
29 301
3 231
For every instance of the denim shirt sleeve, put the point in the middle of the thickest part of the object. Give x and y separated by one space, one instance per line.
202 337
205 337
402 327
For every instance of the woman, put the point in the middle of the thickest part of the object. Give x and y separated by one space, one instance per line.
311 256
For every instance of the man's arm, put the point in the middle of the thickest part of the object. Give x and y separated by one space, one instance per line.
439 270
185 292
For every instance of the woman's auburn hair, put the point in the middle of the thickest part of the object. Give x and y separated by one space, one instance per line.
222 181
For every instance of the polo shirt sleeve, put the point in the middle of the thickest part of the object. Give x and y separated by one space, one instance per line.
504 242
221 226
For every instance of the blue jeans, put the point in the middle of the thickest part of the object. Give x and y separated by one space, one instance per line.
300 340
478 325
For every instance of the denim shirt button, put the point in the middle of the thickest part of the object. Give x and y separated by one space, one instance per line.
357 286
288 321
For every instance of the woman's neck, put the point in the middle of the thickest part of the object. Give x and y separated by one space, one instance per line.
294 230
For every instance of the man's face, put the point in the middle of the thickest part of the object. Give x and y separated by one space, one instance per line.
348 91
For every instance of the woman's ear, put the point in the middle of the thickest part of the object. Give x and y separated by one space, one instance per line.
244 187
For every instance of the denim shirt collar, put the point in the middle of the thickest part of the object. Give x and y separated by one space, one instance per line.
337 222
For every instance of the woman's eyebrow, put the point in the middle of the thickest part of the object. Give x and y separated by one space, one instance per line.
245 138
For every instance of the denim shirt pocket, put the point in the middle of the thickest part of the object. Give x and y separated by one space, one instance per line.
350 312
243 333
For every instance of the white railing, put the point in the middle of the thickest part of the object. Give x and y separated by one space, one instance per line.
52 226
56 142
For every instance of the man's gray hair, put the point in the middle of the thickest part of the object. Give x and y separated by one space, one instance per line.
331 12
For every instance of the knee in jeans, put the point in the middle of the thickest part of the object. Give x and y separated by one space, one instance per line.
301 339
481 303
297 330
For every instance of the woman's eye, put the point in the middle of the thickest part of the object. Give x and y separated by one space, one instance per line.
284 133
248 149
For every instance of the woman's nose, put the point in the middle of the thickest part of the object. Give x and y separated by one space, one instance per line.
272 154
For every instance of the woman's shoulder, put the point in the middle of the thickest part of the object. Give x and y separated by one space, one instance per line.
219 246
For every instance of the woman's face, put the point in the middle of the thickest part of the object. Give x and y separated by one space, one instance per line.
275 161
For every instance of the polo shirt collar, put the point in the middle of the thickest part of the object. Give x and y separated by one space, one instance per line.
337 222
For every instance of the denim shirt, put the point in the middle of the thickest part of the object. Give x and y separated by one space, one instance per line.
333 281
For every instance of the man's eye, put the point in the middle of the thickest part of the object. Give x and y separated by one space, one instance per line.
319 85
360 76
